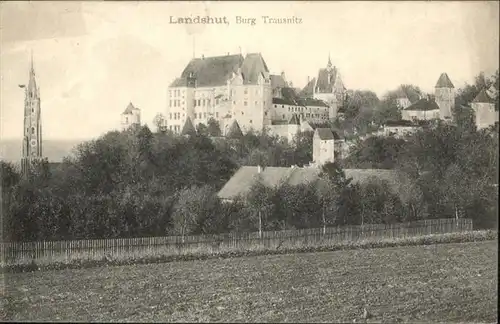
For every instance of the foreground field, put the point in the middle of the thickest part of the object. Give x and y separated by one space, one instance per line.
447 282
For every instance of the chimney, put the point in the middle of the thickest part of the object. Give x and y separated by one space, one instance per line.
259 169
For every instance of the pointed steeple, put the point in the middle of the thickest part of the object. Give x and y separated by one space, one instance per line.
329 65
234 131
294 120
188 128
32 88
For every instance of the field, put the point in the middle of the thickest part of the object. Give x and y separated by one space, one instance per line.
445 283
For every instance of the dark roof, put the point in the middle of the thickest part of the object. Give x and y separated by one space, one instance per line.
234 130
283 101
277 81
423 104
483 97
279 122
294 120
188 128
210 71
241 182
324 134
253 66
326 80
308 90
129 109
312 102
444 81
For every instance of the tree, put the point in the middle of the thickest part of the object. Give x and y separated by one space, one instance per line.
159 121
213 128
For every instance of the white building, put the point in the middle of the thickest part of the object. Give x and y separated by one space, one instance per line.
130 116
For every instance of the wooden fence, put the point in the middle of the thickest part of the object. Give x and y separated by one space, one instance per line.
13 253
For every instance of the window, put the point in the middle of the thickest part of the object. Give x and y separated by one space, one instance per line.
208 102
275 106
199 115
265 114
194 102
244 103
283 116
198 103
256 103
126 122
32 110
234 102
242 113
250 121
283 106
246 91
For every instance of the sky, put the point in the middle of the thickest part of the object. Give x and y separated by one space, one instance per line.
93 58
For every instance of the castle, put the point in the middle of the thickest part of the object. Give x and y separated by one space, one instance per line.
130 116
32 138
236 88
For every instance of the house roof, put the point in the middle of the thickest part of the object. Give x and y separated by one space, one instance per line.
483 97
308 90
312 102
210 71
241 182
326 80
234 130
277 81
188 128
129 110
283 101
444 81
252 67
324 134
406 123
423 104
294 120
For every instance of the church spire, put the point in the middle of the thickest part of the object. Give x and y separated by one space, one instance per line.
32 89
329 65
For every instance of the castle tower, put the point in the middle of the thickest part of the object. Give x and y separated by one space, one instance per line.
484 109
32 139
131 116
323 146
445 97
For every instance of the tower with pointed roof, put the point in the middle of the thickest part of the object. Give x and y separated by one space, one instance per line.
484 109
32 139
445 97
131 116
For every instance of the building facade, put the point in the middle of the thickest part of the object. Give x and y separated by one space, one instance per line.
223 88
32 139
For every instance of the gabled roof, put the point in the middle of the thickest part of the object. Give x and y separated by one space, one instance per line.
324 134
294 120
326 80
188 128
241 182
444 81
129 110
283 101
483 97
308 90
209 71
312 102
234 130
423 104
252 67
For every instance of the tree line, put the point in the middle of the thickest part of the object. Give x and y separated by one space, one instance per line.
139 183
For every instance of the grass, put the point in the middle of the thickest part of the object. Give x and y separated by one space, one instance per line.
435 283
